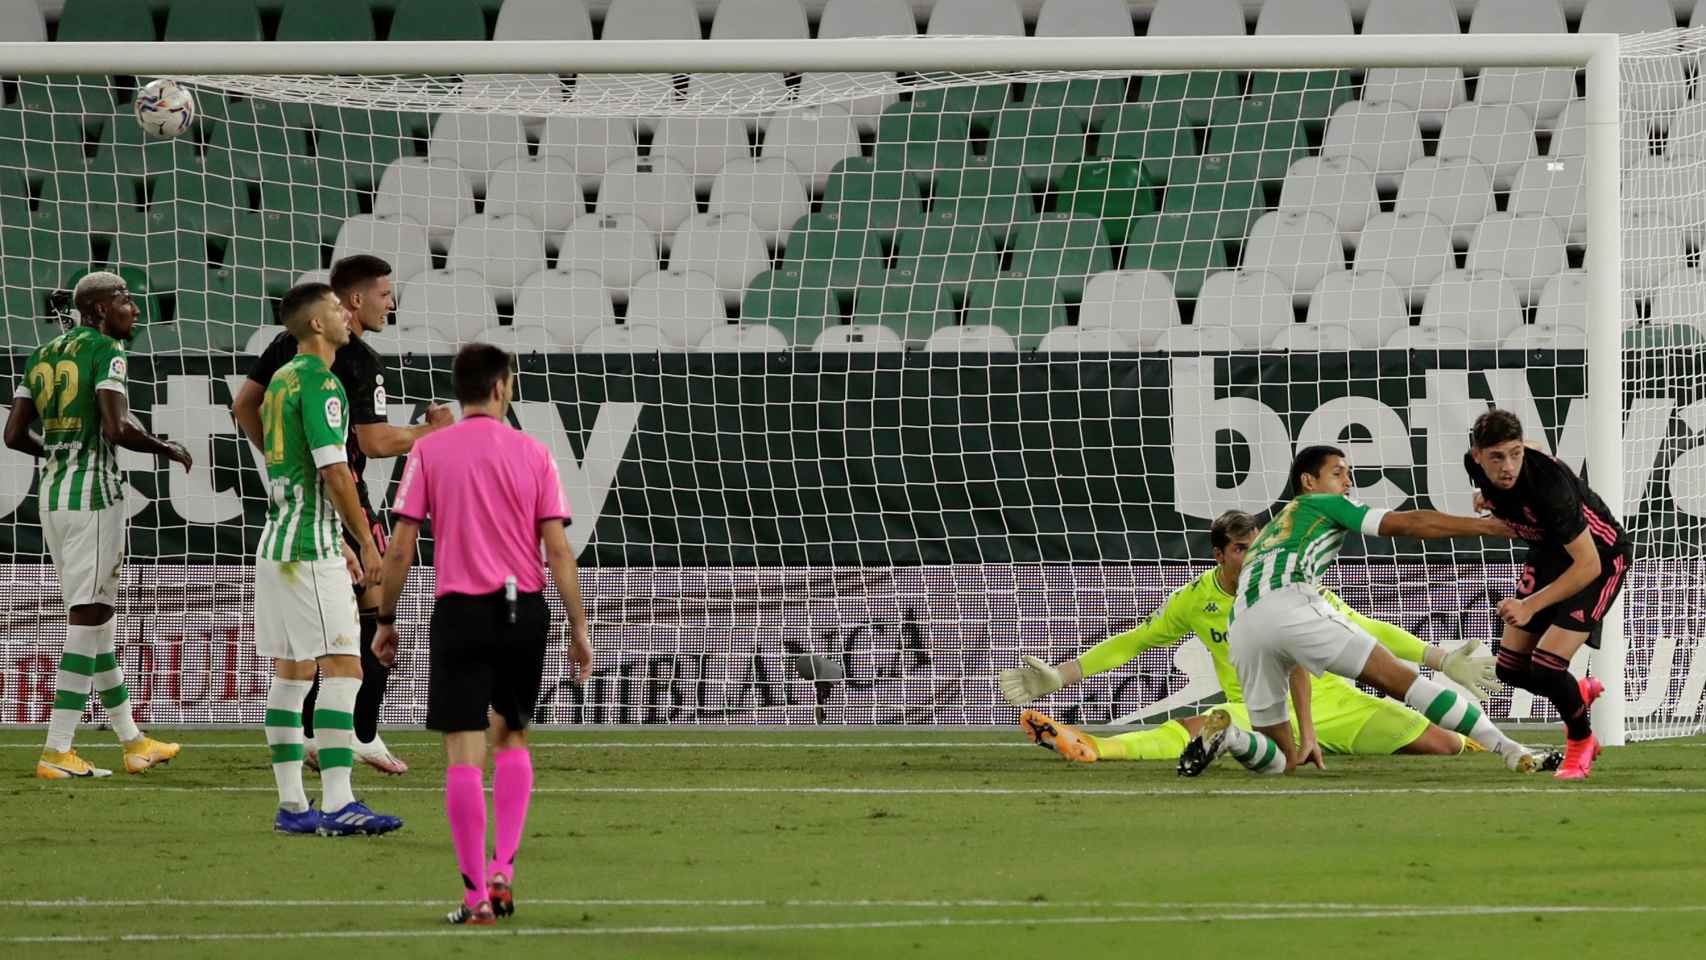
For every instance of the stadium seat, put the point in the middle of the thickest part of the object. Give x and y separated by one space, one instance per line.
813 139
1676 186
1544 91
1304 18
124 148
1298 246
1308 95
947 253
640 20
403 242
590 144
1564 299
1481 303
543 20
1025 306
543 189
1662 87
325 20
67 94
828 255
1082 340
212 20
261 139
1036 142
1066 248
1428 338
327 200
153 244
860 194
218 308
908 307
365 142
1254 304
620 248
921 141
503 248
21 21
737 93
860 338
860 18
683 304
105 21
1545 336
1117 189
703 146
1180 244
1340 188
89 202
769 192
775 297
1259 140
724 247
1366 302
1411 248
1138 304
522 340
1196 18
628 338
1084 18
260 338
1653 246
202 201
760 20
983 195
436 193
1430 90
970 339
1156 134
455 303
1687 134
1680 298
280 245
658 192
1383 136
1194 339
36 144
1500 136
959 18
437 20
1311 338
1454 190
743 338
571 304
1526 249
478 143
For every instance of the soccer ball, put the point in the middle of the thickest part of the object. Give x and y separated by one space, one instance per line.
164 109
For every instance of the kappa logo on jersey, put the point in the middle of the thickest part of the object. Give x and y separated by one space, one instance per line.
334 412
116 369
1211 607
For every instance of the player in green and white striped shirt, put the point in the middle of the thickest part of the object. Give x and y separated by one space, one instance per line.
1283 630
75 383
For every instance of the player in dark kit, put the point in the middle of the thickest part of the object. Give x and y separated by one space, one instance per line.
363 284
1577 558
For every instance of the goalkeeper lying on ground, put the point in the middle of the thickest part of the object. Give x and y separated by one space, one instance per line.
1346 719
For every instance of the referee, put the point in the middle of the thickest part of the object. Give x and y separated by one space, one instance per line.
493 496
363 284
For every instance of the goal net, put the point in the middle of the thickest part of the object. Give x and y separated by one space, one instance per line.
862 384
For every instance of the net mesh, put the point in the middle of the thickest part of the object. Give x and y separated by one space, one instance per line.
863 384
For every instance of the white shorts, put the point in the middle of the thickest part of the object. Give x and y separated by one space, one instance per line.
87 547
305 610
1291 627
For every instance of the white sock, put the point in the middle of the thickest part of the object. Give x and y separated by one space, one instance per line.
1460 714
334 727
71 693
1258 752
109 679
284 735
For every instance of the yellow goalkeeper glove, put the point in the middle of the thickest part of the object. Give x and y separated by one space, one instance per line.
1478 675
1030 680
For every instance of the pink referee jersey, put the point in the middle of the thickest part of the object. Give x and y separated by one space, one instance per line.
486 486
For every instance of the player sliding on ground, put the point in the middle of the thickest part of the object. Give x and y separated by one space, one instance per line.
1347 720
1283 630
1577 556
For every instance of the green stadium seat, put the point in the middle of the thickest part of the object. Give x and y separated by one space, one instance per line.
1260 142
1662 336
109 21
948 253
859 193
776 297
1181 244
258 139
1063 248
1024 306
213 20
911 308
88 202
153 243
1155 134
366 140
281 246
40 143
1307 95
14 196
438 20
50 254
983 194
1113 190
67 94
829 255
1235 204
326 20
326 199
123 148
984 99
921 141
231 302
1036 142
24 308
201 201
1195 94
1083 99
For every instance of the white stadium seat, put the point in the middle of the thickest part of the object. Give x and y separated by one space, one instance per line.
990 18
1454 190
742 94
544 189
627 338
261 338
1384 136
744 338
1340 188
22 21
640 20
570 304
620 248
813 140
1085 340
978 338
543 20
436 193
684 304
1254 304
1083 18
402 241
1555 187
725 247
760 20
1498 135
1304 18
523 339
1197 18
1526 248
1681 298
455 303
1570 134
590 144
1564 300
770 192
1365 301
478 142
1299 246
1412 248
1480 303
1194 339
1653 246
859 338
502 248
1675 186
659 192
1543 90
1430 90
1311 337
1428 338
1546 336
860 18
1139 304
1663 86
702 145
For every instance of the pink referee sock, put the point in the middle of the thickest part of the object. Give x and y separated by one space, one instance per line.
512 787
465 805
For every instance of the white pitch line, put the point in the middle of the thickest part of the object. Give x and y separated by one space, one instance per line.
975 904
259 744
920 923
1550 790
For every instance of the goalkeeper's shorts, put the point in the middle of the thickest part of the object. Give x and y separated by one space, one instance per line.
1354 722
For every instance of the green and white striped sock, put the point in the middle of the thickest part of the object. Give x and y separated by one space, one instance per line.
1458 713
109 680
1258 752
334 728
284 736
71 691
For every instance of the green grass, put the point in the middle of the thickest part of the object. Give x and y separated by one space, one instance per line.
892 843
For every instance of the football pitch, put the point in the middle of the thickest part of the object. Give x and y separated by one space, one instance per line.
899 843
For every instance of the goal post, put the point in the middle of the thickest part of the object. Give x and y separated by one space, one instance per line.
818 502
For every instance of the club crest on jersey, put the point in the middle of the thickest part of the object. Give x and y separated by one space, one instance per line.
334 412
379 396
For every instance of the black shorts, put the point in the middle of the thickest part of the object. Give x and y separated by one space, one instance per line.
1582 612
479 659
375 526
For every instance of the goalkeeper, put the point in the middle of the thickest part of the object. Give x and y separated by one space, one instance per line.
1347 720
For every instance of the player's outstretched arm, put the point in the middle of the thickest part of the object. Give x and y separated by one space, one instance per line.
19 436
1034 679
1433 525
381 440
121 429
